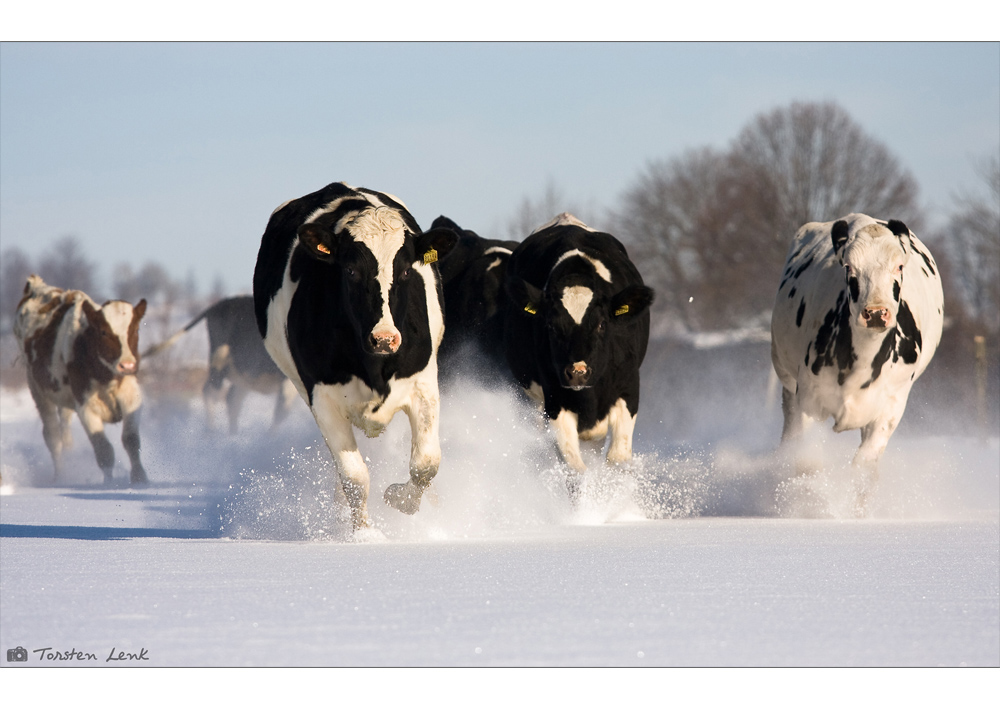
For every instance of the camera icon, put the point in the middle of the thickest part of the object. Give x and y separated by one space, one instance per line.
17 655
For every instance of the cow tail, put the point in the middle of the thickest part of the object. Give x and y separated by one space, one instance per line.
160 347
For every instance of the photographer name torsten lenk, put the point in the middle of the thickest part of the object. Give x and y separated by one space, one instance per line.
21 655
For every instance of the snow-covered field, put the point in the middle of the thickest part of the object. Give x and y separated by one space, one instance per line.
706 552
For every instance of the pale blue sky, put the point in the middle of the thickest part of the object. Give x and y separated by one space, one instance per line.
177 153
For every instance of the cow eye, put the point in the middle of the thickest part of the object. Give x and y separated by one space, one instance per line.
405 275
601 326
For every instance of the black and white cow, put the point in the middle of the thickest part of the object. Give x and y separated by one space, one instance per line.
856 320
475 303
348 300
577 327
236 353
82 358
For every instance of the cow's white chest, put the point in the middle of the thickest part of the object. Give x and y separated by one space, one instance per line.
362 406
851 405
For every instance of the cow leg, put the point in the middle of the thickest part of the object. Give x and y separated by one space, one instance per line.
235 397
874 438
425 454
339 437
132 444
792 427
103 450
66 415
211 392
53 431
568 442
286 395
622 425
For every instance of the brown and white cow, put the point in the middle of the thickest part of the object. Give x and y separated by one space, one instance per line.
82 357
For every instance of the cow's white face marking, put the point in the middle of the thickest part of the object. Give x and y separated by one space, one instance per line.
575 300
118 314
381 230
874 256
598 265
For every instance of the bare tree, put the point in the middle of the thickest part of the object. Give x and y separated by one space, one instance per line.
533 213
14 272
712 229
66 266
972 239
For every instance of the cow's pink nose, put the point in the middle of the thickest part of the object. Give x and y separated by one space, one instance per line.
385 343
127 368
578 374
876 317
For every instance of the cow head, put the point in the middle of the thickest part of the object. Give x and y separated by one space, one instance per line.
375 251
113 335
578 313
873 258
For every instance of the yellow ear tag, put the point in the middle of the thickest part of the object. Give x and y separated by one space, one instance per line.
622 311
430 256
530 309
322 247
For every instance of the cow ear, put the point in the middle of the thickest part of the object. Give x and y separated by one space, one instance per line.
139 309
444 222
839 235
435 244
900 230
524 296
318 241
631 301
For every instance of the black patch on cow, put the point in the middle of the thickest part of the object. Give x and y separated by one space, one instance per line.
838 234
898 228
927 260
791 294
805 265
910 340
895 291
852 283
799 314
834 346
903 341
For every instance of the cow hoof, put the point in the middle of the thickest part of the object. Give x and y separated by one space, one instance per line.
138 477
404 497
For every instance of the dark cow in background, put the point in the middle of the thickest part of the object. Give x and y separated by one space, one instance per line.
856 320
236 353
475 303
577 327
348 300
82 358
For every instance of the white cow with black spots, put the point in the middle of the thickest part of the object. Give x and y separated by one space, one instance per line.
856 320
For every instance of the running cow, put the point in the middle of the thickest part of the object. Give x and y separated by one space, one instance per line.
348 300
856 320
575 335
236 353
82 358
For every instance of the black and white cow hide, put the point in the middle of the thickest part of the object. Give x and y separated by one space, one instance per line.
856 320
348 300
576 333
475 304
